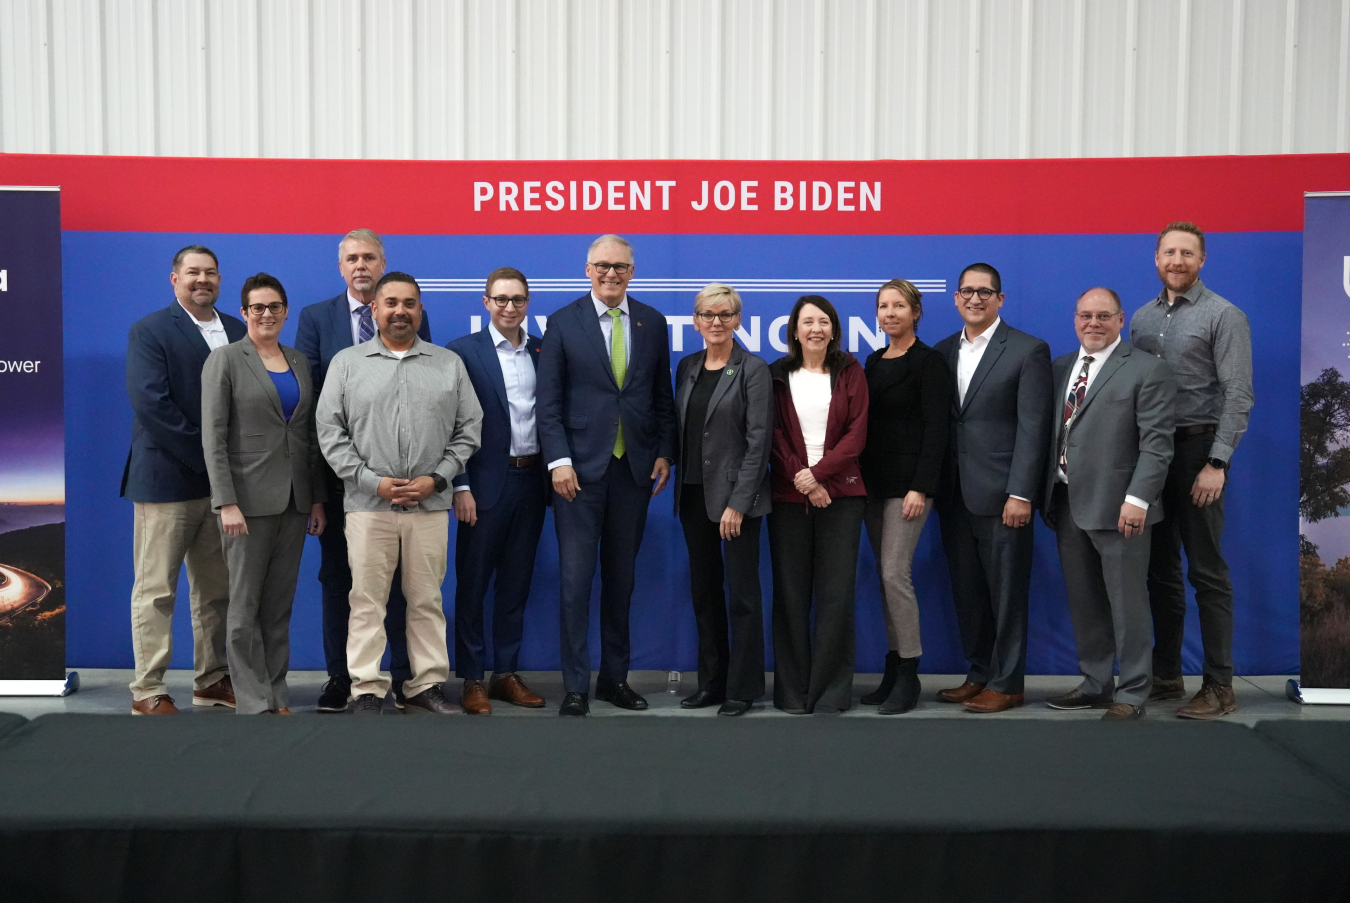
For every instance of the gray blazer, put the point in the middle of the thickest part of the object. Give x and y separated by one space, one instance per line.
254 457
1121 441
737 434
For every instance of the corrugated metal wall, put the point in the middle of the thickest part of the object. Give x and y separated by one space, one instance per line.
770 79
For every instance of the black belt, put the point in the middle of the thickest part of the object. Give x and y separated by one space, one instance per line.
1190 432
523 461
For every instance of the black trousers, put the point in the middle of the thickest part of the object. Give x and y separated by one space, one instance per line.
990 566
1200 532
335 580
814 552
502 544
730 662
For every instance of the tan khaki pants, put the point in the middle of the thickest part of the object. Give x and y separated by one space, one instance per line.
165 535
375 540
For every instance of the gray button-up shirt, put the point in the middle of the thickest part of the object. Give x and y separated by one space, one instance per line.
1208 344
382 416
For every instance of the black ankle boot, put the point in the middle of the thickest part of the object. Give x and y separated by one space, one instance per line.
905 695
878 696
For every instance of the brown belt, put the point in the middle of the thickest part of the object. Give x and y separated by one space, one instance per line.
1190 432
523 461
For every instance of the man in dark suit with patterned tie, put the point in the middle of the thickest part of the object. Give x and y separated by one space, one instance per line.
326 328
500 498
607 427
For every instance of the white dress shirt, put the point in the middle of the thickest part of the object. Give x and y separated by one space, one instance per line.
1099 358
607 329
518 376
968 356
354 306
213 330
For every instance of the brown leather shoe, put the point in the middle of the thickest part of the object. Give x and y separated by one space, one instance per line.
474 699
154 705
219 693
1123 711
1163 690
510 688
989 701
1213 701
962 693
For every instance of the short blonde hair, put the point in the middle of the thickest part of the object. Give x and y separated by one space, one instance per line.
715 293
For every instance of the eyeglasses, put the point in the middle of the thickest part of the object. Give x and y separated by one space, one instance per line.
1087 317
708 316
274 308
620 269
514 300
984 293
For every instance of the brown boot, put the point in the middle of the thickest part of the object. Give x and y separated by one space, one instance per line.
474 699
1213 701
154 705
219 693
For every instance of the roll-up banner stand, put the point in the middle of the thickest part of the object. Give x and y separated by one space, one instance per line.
32 447
1324 454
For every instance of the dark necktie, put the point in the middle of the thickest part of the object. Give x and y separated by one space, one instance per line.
366 331
1071 406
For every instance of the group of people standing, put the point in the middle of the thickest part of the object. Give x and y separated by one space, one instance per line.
368 436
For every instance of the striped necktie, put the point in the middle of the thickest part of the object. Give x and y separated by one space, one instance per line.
366 330
1071 407
618 361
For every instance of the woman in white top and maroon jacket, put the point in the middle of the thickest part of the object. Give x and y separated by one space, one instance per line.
820 428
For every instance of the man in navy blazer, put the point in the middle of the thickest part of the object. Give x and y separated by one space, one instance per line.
607 425
326 328
165 477
500 498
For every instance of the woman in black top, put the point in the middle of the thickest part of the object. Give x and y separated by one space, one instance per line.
724 400
910 392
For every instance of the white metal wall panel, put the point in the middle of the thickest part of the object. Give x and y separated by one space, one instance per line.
604 79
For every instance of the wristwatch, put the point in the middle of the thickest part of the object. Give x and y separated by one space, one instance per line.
1218 463
440 481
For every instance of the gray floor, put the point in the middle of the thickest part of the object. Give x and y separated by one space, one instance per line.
105 692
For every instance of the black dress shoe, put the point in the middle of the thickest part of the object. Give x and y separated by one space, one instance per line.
432 701
1076 699
734 707
700 700
366 704
575 704
335 695
619 694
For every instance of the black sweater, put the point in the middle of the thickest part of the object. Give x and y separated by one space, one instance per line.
911 398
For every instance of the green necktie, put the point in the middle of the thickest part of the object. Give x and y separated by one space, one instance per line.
618 360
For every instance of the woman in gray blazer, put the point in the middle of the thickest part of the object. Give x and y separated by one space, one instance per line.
724 399
262 457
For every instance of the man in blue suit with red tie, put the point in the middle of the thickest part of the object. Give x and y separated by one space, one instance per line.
607 426
326 328
500 498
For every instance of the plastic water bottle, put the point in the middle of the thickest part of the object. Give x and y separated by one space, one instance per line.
672 681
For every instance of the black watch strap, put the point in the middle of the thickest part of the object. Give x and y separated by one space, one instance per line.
441 483
1220 463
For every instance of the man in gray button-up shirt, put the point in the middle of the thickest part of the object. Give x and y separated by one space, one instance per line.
1208 344
397 420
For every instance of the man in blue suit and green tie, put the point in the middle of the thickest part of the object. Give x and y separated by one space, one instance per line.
606 416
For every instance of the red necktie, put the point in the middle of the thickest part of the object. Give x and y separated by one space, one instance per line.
1071 405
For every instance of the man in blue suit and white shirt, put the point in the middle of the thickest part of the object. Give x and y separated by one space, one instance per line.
166 479
606 416
326 328
500 498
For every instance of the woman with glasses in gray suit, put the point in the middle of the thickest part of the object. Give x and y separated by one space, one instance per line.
262 457
724 401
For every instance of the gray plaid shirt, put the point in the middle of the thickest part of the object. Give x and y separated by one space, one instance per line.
1208 344
381 416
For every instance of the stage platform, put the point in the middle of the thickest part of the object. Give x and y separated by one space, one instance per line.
650 808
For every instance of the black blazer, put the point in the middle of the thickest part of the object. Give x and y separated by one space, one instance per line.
738 434
907 422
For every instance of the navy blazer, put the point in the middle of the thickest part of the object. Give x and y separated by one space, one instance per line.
165 354
485 474
580 405
326 328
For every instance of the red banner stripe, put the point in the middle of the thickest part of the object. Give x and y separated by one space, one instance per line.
942 197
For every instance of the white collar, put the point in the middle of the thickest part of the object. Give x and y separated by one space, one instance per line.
602 309
354 303
498 339
984 336
1098 357
212 325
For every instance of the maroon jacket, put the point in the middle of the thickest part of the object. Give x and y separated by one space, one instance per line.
845 435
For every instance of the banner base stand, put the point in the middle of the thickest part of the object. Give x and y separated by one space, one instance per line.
1317 695
41 687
